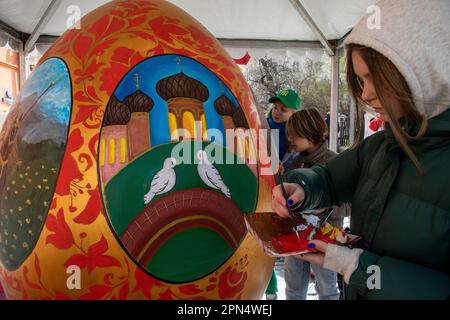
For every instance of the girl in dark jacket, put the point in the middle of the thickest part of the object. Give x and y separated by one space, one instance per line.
398 180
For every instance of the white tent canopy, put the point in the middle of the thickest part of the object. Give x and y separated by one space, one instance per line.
240 25
274 19
226 19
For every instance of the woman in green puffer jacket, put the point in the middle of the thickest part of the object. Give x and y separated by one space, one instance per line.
397 180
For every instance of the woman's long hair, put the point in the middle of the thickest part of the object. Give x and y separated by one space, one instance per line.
393 93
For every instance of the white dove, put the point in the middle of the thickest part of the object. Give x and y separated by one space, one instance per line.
209 174
163 181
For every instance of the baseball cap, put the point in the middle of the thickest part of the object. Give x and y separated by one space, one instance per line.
288 97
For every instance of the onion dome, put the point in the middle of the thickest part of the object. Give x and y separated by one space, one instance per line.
139 102
239 119
224 106
180 85
116 113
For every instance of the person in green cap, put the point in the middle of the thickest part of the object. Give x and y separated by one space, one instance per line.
285 104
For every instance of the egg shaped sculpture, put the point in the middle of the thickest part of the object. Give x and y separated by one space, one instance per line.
121 173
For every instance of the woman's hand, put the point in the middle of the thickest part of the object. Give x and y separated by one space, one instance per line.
316 257
336 258
295 193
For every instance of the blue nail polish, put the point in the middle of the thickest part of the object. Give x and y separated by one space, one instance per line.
311 245
290 202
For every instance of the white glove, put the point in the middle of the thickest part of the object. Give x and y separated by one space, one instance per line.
342 260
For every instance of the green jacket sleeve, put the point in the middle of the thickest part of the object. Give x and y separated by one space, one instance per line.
398 280
315 183
331 184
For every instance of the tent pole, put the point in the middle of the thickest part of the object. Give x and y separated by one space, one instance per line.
41 25
334 103
10 31
314 28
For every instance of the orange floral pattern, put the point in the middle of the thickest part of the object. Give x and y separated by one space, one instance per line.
115 38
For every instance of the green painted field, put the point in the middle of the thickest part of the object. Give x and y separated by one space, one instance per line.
124 194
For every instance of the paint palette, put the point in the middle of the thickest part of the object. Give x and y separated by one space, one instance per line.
280 237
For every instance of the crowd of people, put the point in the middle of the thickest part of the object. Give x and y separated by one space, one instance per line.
395 181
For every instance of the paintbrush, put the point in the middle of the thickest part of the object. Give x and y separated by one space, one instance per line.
291 213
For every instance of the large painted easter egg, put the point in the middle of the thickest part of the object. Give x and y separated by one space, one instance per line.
126 167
